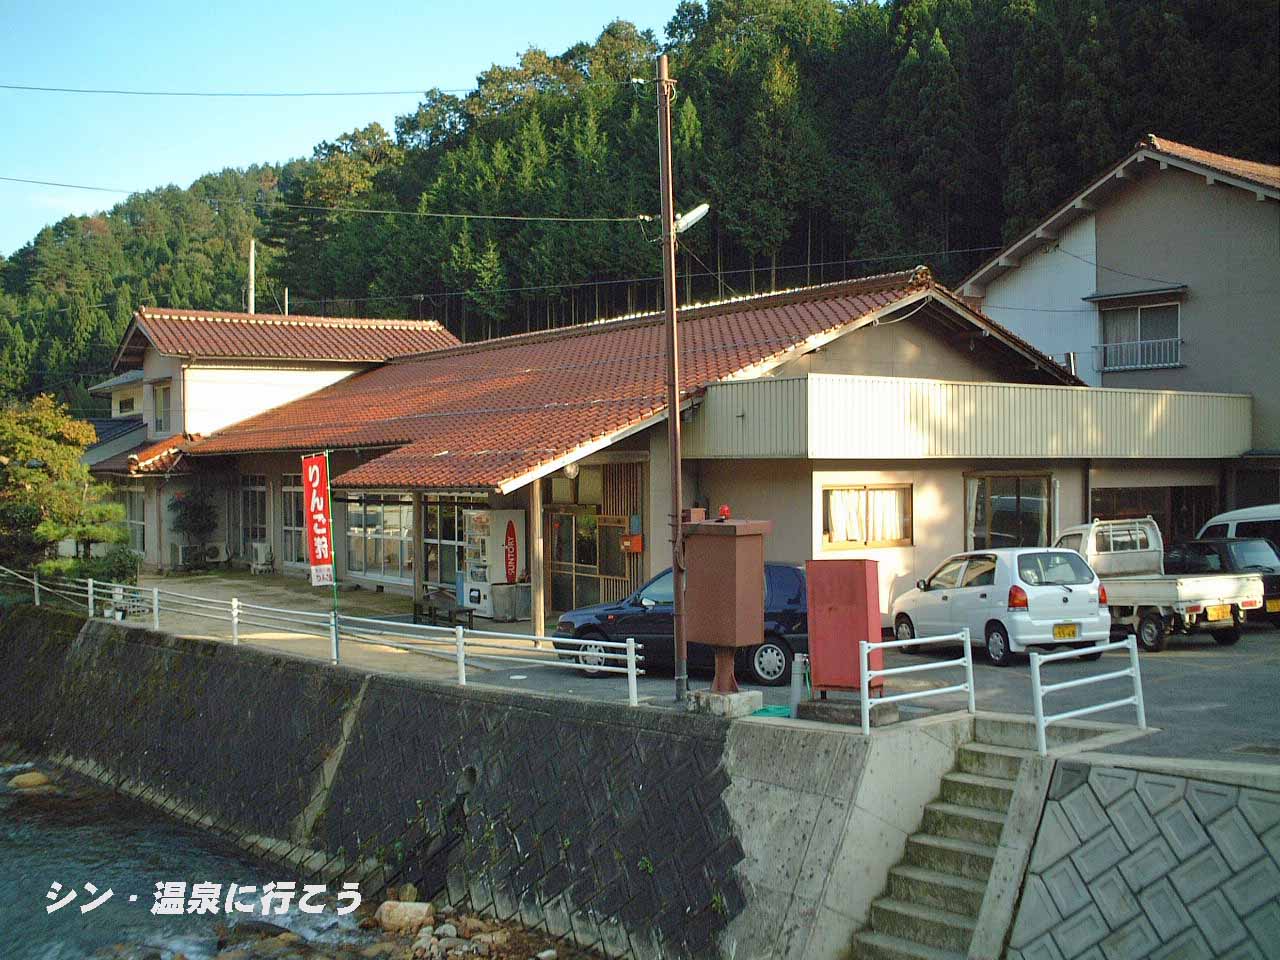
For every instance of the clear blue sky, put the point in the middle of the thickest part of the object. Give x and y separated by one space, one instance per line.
142 142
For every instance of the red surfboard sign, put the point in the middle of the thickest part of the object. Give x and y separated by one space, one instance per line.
509 550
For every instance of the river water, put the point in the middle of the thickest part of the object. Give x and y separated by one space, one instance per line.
82 836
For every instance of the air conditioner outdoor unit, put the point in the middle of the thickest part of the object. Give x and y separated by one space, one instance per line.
261 560
215 553
182 555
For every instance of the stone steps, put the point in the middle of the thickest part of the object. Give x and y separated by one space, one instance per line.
977 790
932 901
989 760
963 858
880 946
936 888
1021 734
944 819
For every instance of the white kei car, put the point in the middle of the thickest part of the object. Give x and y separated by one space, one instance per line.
1010 598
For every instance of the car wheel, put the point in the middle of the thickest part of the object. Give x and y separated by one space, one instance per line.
591 656
1151 635
1091 657
998 651
1227 638
904 629
770 663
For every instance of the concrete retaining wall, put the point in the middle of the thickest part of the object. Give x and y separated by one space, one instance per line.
643 833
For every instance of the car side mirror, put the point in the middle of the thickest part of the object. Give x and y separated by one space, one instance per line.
648 602
921 585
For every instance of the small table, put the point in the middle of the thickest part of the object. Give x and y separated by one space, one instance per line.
439 605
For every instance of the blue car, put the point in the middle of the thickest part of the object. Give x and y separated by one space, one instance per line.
646 615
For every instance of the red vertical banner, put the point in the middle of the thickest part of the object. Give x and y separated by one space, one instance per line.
319 518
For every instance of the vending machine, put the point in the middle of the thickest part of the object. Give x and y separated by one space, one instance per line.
495 555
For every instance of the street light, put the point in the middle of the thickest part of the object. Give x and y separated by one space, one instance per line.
670 227
687 220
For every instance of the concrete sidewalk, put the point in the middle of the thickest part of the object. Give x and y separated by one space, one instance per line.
311 639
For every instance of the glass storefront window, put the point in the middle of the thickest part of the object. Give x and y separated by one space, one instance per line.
1007 511
443 536
379 535
293 547
253 512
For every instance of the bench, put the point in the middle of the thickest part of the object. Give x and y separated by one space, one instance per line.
440 608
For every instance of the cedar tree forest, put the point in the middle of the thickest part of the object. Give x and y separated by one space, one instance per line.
831 139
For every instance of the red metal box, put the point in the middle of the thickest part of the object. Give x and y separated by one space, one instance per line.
844 607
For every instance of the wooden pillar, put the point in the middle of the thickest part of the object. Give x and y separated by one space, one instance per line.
537 608
419 553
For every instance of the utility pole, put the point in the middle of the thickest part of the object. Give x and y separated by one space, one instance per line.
286 301
252 272
666 89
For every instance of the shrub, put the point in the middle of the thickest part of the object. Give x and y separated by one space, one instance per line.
118 565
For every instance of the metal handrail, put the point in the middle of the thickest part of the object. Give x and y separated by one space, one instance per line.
618 657
864 661
1039 689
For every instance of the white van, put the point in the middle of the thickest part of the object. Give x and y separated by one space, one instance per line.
1249 522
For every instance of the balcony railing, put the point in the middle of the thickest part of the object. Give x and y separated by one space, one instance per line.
1139 354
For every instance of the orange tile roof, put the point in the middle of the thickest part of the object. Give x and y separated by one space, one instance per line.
1264 174
152 457
483 415
258 336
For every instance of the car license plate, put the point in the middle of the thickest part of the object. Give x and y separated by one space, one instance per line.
1065 631
1218 611
1273 606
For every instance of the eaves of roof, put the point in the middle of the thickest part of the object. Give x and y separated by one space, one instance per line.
1262 180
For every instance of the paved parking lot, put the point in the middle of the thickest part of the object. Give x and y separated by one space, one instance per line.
1209 702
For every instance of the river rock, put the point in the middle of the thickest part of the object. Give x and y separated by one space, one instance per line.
384 949
28 780
404 918
248 930
446 930
408 893
494 938
470 926
548 954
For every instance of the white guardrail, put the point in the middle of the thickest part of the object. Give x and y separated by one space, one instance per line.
458 644
864 661
1039 689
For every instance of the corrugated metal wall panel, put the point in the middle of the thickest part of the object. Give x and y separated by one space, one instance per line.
897 418
739 419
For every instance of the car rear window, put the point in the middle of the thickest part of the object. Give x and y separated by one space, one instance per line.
1268 529
786 585
1255 555
1053 569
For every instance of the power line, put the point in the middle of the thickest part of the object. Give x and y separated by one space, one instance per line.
277 94
707 272
1101 266
369 210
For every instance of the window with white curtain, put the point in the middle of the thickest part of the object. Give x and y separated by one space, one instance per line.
866 516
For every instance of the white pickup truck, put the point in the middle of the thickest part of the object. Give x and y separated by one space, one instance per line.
1128 557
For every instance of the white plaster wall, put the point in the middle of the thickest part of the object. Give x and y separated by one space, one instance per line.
155 370
1040 299
216 396
132 392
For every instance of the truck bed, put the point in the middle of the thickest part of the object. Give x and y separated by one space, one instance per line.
1175 590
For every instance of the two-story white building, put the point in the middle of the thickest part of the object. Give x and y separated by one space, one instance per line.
1162 273
186 373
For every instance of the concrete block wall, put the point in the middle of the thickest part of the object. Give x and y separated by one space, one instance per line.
1132 863
642 833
